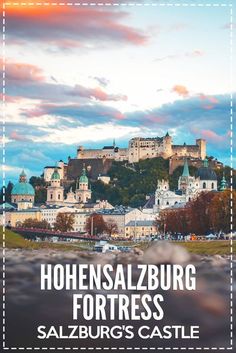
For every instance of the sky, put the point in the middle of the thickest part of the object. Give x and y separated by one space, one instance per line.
85 75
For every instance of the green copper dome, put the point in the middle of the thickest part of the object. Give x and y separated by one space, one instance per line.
23 188
83 179
55 175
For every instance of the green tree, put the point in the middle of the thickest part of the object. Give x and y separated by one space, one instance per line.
8 191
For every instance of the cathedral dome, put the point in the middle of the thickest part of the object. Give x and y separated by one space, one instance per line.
83 179
55 175
22 187
206 173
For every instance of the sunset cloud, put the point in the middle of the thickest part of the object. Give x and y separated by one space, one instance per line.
211 136
96 93
70 27
22 72
180 90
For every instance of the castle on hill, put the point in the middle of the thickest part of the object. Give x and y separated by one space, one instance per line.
140 148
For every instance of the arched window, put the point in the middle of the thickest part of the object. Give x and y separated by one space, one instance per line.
167 202
212 185
51 196
189 199
204 185
158 202
59 196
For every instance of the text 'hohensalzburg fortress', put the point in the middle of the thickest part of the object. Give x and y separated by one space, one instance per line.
144 148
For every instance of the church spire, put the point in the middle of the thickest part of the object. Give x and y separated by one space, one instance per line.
205 163
186 169
223 183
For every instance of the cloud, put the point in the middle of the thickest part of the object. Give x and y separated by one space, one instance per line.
14 135
29 81
191 54
70 27
96 93
95 132
22 72
180 90
194 54
94 125
10 99
102 81
79 114
211 136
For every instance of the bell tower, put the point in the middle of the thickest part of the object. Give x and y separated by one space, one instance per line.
55 190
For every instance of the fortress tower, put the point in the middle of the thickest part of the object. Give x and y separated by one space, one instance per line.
202 148
167 146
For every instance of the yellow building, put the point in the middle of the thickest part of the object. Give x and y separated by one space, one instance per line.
16 218
140 229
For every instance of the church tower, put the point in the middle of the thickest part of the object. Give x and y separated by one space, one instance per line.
83 192
55 190
223 183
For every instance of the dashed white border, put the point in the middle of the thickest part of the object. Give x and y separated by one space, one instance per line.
5 4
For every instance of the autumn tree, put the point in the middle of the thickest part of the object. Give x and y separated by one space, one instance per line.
111 227
220 211
34 223
199 213
64 222
95 224
175 220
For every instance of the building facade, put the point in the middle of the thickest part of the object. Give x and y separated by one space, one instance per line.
140 229
189 187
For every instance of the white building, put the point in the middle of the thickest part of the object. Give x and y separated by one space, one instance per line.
189 187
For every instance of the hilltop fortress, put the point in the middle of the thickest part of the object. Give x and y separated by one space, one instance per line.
143 148
99 161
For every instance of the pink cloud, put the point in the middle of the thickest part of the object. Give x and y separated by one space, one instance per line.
180 90
97 93
14 135
66 25
10 99
210 99
22 72
210 135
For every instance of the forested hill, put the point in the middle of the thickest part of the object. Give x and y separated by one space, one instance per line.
130 183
